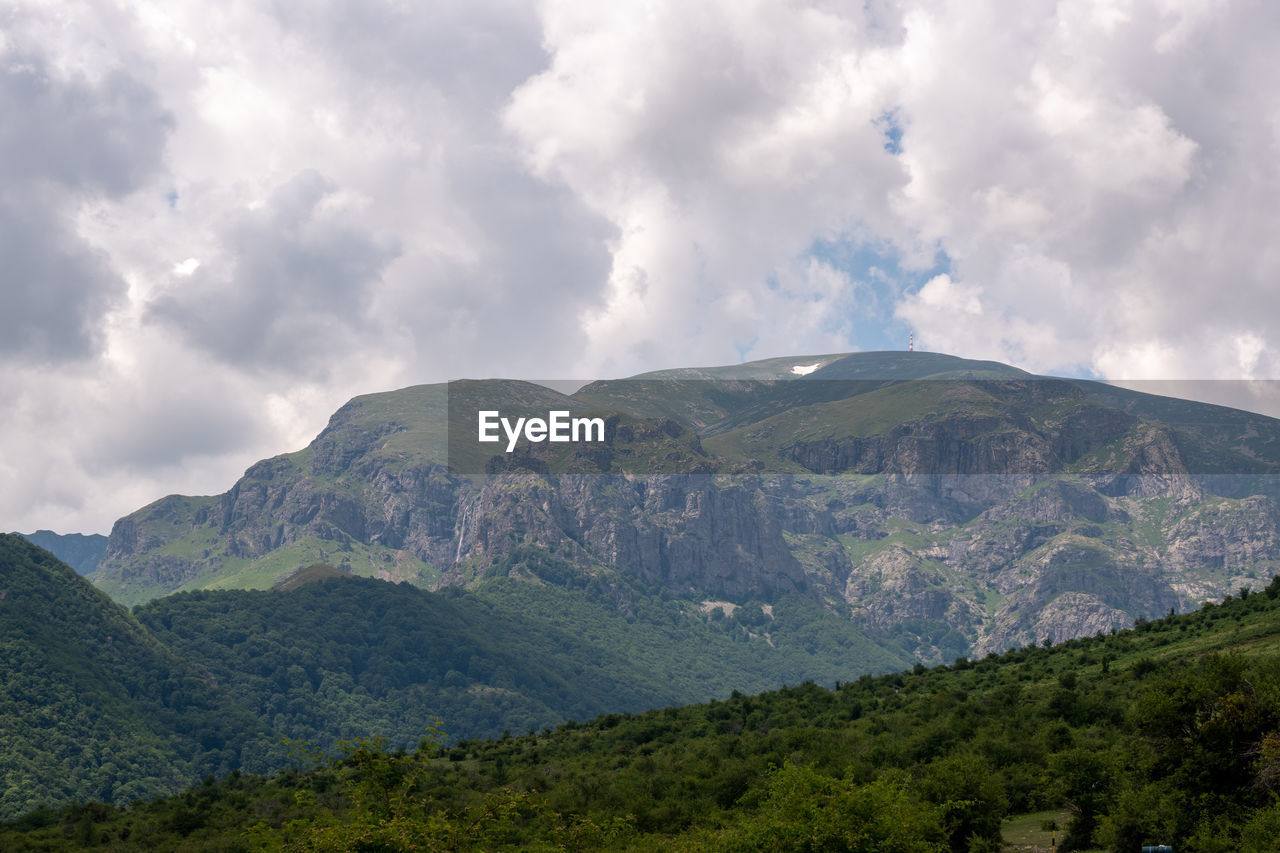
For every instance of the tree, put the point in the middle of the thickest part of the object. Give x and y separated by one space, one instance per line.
970 797
800 809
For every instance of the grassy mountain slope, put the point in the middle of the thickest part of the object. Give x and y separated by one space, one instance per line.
1167 733
716 399
1240 434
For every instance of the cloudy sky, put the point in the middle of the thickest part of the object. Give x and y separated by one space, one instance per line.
219 221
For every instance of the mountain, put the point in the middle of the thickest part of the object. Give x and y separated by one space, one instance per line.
1166 733
949 506
80 552
92 706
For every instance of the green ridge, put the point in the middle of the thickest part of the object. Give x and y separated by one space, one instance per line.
1169 733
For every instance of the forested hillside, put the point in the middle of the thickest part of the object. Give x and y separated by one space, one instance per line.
101 704
353 656
93 707
1169 733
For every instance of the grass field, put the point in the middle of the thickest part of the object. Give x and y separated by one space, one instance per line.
1028 834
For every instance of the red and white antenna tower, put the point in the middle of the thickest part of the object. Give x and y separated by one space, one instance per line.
911 341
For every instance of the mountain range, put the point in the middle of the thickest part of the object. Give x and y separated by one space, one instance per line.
947 506
732 530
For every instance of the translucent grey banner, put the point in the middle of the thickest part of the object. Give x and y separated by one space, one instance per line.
971 425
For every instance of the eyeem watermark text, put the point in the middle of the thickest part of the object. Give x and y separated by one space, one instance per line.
557 426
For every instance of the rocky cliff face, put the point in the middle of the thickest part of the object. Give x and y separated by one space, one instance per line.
956 518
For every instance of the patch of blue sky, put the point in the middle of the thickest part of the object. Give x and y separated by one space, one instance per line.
880 282
891 129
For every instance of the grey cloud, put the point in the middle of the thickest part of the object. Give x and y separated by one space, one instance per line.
477 51
171 423
55 288
535 256
62 142
104 137
291 287
545 262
